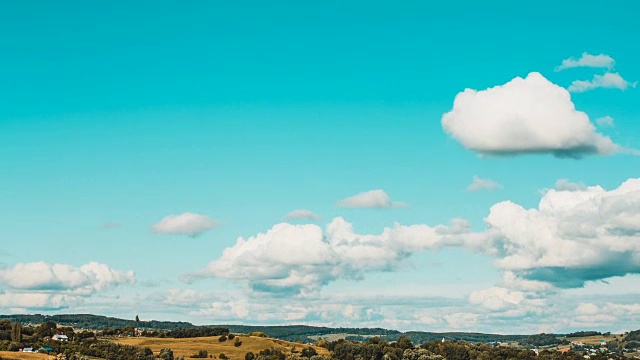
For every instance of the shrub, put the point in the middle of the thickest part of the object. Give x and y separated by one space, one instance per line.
249 356
222 338
230 336
202 354
237 343
258 334
308 352
223 356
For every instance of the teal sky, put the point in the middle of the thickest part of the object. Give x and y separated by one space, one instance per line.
122 114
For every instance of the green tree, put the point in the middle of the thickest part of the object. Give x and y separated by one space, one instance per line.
16 332
308 352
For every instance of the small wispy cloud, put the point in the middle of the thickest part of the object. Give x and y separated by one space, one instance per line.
608 81
567 185
111 225
373 199
301 214
587 60
479 184
605 121
190 224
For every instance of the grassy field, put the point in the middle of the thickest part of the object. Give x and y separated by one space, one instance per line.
589 340
9 355
191 346
595 340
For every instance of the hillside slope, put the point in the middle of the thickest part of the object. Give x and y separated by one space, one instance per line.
191 346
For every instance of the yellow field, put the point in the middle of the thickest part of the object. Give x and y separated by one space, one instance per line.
191 346
595 340
590 340
9 355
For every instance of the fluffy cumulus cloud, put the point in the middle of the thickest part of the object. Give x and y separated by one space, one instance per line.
189 224
479 184
41 285
577 234
574 236
587 60
608 80
302 258
302 214
530 115
373 199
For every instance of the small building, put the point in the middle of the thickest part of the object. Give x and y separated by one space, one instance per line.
45 348
60 337
27 350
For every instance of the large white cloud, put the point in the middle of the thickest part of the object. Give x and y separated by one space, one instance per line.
373 199
85 279
40 285
190 224
588 60
608 81
575 235
302 258
530 115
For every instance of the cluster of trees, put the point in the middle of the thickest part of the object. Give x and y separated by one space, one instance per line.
542 340
303 333
633 336
95 322
177 334
378 349
373 349
583 334
14 336
420 337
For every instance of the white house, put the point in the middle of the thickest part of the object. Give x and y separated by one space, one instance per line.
59 337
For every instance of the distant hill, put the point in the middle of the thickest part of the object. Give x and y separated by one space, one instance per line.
95 322
302 333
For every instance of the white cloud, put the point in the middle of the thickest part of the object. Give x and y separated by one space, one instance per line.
608 81
483 184
588 60
462 320
185 224
605 121
566 185
587 309
576 235
571 238
111 225
302 214
530 115
36 301
86 279
374 199
302 258
40 285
